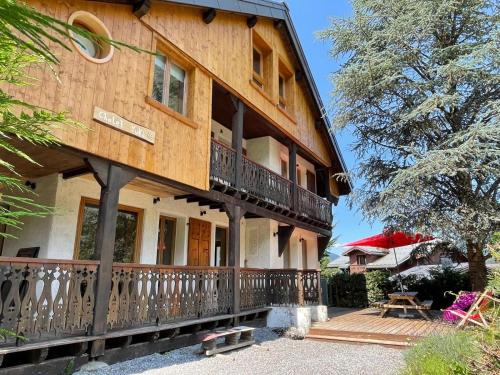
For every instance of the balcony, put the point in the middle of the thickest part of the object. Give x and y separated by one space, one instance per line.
260 184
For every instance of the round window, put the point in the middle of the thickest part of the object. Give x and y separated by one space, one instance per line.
95 51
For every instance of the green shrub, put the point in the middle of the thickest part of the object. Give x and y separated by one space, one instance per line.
449 354
377 285
435 287
349 290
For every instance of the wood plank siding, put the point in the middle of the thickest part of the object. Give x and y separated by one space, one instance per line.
220 51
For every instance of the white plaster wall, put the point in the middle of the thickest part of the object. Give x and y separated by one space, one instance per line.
223 134
34 231
56 235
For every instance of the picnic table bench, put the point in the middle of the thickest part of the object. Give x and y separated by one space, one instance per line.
235 338
406 301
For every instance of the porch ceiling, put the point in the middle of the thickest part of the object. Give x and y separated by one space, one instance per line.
50 159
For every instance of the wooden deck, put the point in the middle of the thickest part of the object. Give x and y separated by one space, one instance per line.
366 326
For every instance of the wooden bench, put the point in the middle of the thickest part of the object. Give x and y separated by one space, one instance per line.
379 304
237 337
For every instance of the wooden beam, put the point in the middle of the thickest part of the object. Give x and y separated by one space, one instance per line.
141 8
209 15
284 234
75 172
111 179
292 173
237 141
235 213
322 245
252 21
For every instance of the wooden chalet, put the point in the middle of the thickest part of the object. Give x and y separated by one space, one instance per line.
198 194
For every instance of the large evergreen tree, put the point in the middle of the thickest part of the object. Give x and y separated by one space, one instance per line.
420 88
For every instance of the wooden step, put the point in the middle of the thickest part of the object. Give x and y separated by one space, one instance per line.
361 337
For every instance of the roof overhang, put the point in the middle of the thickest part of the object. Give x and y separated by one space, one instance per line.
280 12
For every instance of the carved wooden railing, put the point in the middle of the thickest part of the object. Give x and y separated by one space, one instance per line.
260 182
223 164
149 295
43 299
313 206
277 287
266 185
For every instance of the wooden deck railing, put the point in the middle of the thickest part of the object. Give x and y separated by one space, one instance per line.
145 295
42 299
260 182
277 287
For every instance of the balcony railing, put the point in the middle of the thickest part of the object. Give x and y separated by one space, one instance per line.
260 182
44 299
313 206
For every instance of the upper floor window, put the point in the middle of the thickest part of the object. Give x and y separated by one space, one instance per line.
361 260
262 63
169 84
285 86
91 48
258 68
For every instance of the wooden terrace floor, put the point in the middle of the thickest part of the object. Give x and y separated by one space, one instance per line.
365 326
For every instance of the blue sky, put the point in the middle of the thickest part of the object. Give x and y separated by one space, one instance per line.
308 18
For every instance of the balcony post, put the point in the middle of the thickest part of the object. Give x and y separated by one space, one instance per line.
292 173
111 178
234 213
237 139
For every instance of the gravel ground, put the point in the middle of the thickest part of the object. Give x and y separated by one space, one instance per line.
271 355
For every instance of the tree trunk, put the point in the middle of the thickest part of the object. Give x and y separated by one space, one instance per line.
477 266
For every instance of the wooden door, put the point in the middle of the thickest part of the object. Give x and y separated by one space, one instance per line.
199 242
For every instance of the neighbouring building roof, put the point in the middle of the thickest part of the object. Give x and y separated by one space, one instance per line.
425 270
339 262
403 253
278 11
367 250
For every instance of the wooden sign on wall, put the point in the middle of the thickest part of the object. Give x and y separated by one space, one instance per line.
117 122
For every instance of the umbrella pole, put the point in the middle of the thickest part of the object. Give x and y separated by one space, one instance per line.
397 270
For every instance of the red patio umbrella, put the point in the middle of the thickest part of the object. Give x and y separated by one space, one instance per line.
391 240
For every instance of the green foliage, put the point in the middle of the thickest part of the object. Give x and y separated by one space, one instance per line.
349 290
494 277
361 290
377 285
326 272
449 354
436 286
420 89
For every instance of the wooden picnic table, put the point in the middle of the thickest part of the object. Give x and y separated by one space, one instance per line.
406 301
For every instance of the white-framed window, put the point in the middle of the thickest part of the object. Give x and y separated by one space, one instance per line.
169 83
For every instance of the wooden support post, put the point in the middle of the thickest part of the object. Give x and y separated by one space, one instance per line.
111 178
320 293
237 139
292 173
235 213
284 235
300 285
